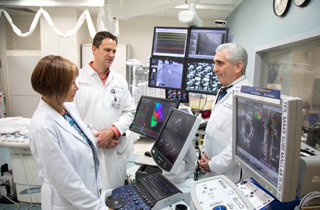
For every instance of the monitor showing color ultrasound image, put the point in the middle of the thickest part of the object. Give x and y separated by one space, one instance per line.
259 136
200 77
150 115
204 42
166 72
176 94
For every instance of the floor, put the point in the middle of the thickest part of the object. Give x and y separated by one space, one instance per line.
140 147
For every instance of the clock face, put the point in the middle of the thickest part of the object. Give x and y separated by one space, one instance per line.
301 3
281 7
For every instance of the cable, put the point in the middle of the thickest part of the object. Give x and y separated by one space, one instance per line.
24 169
203 105
308 197
11 204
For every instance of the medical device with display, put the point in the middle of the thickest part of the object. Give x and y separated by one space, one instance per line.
177 94
200 77
169 41
173 145
166 72
203 42
266 142
151 114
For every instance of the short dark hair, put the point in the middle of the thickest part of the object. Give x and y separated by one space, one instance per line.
101 36
53 76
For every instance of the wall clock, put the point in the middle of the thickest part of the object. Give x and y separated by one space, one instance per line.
301 3
281 7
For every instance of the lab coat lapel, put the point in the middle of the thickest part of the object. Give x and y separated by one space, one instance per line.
58 119
81 125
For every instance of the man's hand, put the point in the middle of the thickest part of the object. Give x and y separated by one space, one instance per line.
204 163
105 139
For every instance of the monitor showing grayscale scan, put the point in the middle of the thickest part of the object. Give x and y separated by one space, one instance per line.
150 115
266 142
200 77
169 41
203 42
166 72
174 144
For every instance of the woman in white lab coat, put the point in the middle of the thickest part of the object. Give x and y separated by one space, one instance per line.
61 144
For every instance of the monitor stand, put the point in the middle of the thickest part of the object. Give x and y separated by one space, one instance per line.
189 168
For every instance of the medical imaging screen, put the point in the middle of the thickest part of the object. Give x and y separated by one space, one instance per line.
151 114
258 137
203 42
174 135
200 77
170 42
176 94
166 73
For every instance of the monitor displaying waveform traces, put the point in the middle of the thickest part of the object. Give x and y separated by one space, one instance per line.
169 42
150 115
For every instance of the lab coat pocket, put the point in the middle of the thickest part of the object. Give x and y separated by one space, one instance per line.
46 196
122 146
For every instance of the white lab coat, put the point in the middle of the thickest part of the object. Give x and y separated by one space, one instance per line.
217 142
94 103
69 167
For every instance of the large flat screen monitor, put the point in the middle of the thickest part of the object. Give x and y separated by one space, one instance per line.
177 94
166 72
200 77
204 41
169 41
266 142
174 143
150 115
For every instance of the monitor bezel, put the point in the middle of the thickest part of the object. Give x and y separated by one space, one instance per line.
160 159
288 181
187 56
174 56
152 98
181 101
185 77
168 58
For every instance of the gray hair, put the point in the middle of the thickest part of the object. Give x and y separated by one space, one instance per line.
236 54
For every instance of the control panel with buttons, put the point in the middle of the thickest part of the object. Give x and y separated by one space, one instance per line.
14 141
218 193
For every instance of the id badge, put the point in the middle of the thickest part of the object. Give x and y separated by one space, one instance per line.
116 103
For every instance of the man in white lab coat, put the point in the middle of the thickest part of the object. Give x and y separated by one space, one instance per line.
104 102
230 65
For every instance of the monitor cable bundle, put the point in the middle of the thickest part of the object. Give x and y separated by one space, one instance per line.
196 146
307 202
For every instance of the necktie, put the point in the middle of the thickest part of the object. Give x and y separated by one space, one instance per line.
223 92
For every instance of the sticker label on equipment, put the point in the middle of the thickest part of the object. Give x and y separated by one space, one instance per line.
316 179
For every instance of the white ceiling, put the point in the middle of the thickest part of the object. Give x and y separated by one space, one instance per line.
206 9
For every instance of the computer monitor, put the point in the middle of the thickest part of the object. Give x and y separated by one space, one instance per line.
169 41
150 115
166 72
266 142
203 42
177 94
174 144
200 77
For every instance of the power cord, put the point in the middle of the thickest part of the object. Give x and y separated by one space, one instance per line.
10 204
203 105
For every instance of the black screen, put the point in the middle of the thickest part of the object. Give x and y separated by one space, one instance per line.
151 114
200 77
176 94
166 72
169 42
258 137
204 41
174 135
